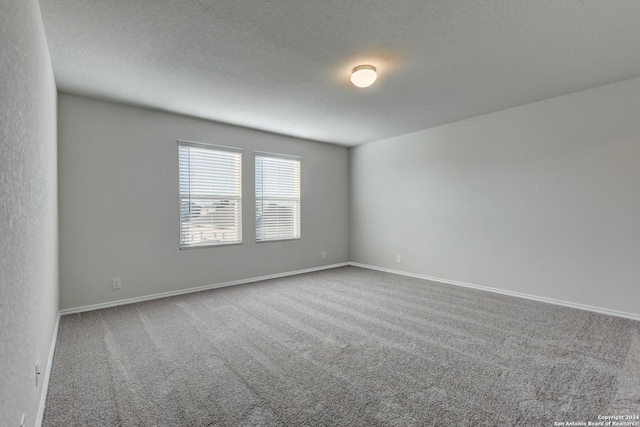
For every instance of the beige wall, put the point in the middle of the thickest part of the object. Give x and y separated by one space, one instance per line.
28 209
542 199
119 212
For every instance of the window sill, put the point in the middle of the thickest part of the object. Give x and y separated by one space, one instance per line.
209 246
277 240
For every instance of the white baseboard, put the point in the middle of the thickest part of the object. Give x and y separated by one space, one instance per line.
197 289
631 316
47 374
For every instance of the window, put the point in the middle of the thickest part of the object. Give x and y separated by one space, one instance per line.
210 195
277 197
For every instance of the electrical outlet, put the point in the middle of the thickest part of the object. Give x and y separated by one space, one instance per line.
22 422
37 373
324 255
398 258
116 283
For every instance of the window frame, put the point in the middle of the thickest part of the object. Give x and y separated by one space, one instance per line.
299 199
219 148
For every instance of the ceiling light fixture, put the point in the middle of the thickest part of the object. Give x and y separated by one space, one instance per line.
364 75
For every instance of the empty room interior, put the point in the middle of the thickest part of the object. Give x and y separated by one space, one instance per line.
319 213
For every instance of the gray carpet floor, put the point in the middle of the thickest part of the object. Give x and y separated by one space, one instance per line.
346 346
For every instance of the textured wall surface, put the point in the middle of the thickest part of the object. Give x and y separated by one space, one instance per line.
540 199
119 211
28 209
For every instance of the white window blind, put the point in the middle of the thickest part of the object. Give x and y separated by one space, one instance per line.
277 197
210 195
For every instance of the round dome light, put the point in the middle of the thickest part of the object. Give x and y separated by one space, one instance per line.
364 75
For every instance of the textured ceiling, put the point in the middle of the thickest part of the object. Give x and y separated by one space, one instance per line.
283 65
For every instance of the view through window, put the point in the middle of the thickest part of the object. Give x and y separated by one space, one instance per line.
210 195
277 197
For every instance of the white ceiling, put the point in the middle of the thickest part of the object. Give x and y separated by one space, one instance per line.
284 65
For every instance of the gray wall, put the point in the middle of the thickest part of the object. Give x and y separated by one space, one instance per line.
28 209
119 213
542 199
